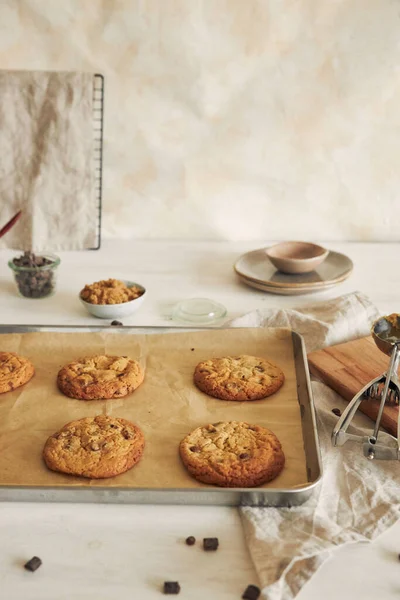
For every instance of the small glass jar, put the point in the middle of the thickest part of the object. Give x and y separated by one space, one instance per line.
36 280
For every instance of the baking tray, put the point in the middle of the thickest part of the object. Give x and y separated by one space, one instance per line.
189 496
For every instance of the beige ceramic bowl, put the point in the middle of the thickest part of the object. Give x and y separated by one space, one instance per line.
296 257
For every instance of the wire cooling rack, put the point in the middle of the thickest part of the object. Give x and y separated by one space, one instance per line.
98 128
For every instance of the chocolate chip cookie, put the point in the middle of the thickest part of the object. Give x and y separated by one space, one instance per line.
232 454
94 447
100 377
14 371
238 378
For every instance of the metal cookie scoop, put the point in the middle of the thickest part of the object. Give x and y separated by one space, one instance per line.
386 387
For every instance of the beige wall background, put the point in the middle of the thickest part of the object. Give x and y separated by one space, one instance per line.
233 119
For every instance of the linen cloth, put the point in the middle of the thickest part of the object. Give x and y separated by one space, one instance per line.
47 162
358 499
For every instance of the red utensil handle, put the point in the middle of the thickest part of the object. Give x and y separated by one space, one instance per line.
10 223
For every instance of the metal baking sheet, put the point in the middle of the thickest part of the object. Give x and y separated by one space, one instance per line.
263 496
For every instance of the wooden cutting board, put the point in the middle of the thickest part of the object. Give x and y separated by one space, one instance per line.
346 368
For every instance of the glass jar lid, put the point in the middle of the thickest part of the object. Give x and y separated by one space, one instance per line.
198 310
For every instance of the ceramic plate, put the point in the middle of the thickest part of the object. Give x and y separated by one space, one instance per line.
255 266
285 291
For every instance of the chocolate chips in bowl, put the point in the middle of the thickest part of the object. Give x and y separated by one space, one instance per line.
35 276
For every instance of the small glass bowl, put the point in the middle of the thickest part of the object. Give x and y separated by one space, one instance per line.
36 281
198 310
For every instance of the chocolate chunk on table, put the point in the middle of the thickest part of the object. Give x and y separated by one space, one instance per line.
210 543
33 564
191 540
337 412
252 592
116 323
171 587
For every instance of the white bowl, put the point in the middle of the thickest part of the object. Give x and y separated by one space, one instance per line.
116 311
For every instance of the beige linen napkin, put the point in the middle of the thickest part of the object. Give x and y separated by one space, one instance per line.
47 164
358 499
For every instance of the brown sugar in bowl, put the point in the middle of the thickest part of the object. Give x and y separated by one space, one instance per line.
114 310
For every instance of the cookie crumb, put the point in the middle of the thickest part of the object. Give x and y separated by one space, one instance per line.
33 564
191 540
210 544
252 592
171 587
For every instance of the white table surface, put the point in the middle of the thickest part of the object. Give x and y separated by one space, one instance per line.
124 552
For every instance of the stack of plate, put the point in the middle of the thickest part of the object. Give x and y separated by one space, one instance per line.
255 269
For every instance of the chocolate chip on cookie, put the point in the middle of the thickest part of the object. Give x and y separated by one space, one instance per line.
236 454
95 447
100 377
238 378
14 371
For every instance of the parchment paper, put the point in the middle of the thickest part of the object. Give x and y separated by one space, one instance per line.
167 406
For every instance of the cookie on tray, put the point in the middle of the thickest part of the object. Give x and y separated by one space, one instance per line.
100 377
14 371
232 454
238 377
94 447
